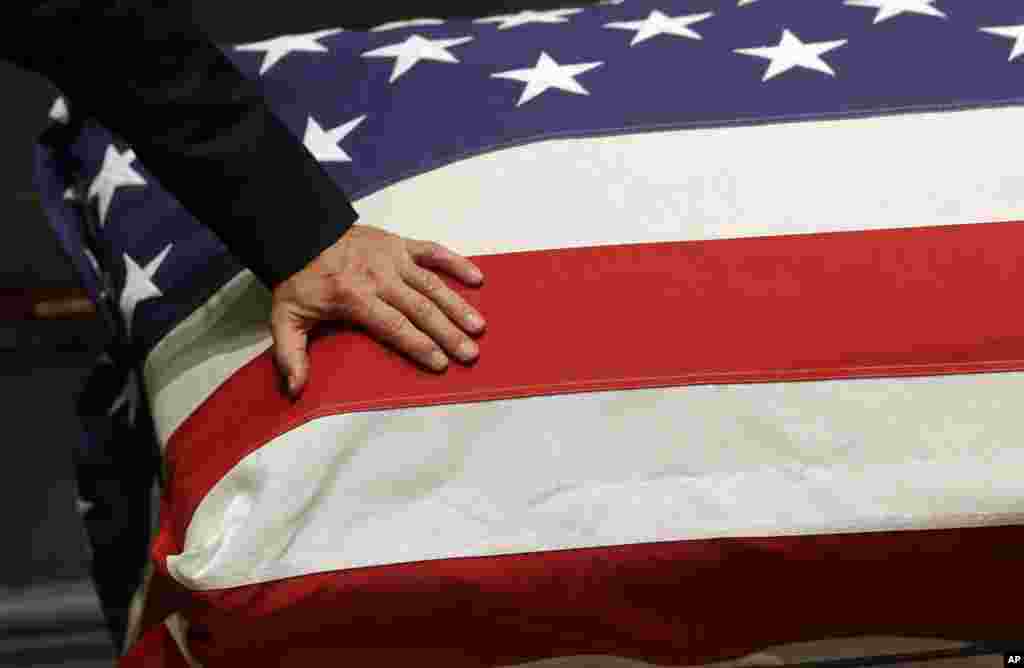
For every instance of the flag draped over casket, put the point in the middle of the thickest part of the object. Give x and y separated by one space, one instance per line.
752 348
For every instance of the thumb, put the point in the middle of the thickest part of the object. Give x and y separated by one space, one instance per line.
290 339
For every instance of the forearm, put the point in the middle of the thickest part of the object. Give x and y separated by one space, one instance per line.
146 72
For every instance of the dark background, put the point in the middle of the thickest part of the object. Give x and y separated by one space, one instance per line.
49 613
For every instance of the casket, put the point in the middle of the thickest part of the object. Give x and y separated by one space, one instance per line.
749 375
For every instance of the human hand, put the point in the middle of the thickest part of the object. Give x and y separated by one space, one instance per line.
381 281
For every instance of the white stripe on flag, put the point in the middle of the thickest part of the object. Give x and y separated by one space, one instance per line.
612 468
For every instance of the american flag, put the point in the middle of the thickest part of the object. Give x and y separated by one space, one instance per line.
604 161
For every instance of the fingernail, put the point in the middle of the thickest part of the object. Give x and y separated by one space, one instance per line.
468 351
475 321
438 360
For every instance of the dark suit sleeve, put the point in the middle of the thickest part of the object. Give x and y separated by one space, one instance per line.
145 71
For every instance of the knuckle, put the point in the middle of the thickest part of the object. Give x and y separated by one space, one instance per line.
393 326
430 284
380 275
422 309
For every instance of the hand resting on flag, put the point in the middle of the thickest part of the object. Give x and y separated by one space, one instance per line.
381 281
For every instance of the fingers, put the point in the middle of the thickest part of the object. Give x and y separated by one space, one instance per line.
383 283
290 340
390 325
437 306
431 320
454 307
435 256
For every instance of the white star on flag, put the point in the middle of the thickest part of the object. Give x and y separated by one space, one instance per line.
414 49
530 16
411 23
611 2
115 172
138 285
59 110
130 395
548 74
69 193
1014 33
279 47
659 24
323 144
890 8
746 2
791 52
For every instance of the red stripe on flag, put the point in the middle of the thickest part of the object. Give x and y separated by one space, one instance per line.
672 603
907 302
